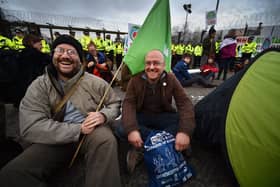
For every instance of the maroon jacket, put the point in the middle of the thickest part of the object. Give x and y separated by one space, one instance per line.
170 87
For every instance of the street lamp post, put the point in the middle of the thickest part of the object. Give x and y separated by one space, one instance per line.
187 8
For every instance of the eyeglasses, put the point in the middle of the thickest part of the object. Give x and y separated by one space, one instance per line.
60 51
154 63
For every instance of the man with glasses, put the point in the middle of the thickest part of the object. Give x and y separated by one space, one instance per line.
148 106
54 134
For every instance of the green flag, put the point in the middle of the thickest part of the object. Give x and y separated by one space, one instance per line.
155 33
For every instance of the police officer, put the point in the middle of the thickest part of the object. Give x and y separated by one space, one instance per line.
17 40
197 55
189 49
72 33
179 50
5 43
85 40
99 42
119 50
248 49
56 34
109 47
45 47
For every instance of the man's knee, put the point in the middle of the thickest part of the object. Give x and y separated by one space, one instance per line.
101 135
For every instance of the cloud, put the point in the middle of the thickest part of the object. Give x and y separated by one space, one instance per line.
121 12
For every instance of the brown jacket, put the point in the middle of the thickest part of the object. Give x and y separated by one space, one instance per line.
170 87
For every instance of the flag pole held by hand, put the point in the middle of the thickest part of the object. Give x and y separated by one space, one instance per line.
97 109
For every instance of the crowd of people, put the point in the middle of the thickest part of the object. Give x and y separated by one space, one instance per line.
66 84
224 54
33 53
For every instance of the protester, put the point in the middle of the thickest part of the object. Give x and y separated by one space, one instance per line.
240 65
209 69
98 64
125 77
31 63
147 106
54 131
227 54
185 78
208 45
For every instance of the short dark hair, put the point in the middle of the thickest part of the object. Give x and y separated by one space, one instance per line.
186 55
30 39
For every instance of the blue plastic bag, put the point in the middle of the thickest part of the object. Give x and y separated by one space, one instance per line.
166 166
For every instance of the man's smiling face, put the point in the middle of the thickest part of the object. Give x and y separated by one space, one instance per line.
66 60
154 65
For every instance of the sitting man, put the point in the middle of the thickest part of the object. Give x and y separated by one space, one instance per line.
54 135
148 106
186 79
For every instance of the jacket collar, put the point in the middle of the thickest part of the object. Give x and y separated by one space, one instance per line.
162 77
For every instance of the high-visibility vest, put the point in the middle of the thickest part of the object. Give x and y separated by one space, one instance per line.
99 44
189 49
180 49
85 40
249 47
5 43
118 49
108 45
198 50
17 43
217 46
173 49
45 47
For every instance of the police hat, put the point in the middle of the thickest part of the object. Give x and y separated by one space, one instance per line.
18 31
251 38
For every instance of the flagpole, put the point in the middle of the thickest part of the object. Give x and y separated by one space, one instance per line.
97 109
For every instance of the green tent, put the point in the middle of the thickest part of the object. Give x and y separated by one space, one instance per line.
245 121
253 124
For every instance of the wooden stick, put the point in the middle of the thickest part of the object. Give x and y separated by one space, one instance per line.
97 109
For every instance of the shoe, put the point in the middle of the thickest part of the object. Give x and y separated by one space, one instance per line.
133 158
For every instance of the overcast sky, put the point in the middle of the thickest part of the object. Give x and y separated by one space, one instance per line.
231 13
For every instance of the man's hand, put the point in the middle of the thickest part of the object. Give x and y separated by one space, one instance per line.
182 141
134 137
92 120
